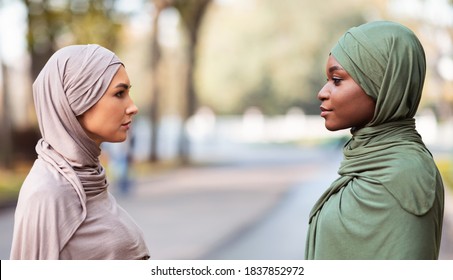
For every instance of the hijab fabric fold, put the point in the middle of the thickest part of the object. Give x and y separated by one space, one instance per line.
67 177
387 177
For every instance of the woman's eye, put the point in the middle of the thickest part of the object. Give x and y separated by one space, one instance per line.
119 94
336 81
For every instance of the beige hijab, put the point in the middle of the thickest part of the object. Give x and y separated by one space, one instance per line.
64 209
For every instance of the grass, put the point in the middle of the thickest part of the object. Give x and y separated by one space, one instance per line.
445 166
10 183
11 179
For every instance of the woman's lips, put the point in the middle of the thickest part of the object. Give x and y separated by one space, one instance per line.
127 125
324 111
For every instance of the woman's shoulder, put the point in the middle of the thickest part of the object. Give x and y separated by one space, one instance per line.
413 179
45 182
414 160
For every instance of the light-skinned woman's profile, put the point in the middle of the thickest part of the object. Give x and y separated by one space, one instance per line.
65 210
388 200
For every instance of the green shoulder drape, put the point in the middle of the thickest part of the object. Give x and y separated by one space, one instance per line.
386 204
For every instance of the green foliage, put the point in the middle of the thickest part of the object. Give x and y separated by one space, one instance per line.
262 97
99 23
191 12
10 185
285 43
53 24
445 166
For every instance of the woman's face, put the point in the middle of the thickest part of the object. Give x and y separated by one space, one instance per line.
110 118
344 104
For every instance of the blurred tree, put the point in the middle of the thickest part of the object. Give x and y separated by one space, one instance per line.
55 23
6 146
192 13
156 56
262 97
285 42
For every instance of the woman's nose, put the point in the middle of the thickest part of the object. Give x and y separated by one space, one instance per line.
323 94
132 108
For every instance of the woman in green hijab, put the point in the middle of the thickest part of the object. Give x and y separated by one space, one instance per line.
388 201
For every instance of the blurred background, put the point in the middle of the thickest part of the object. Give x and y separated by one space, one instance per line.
228 152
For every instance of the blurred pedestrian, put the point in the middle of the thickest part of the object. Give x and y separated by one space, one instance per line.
65 210
389 199
119 161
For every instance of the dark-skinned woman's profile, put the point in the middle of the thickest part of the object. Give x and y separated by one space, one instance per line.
388 201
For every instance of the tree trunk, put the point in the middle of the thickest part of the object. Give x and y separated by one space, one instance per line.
155 90
6 146
192 13
191 101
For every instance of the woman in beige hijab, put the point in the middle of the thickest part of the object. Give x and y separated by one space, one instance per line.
65 210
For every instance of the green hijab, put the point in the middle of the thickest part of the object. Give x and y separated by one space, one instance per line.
387 60
389 196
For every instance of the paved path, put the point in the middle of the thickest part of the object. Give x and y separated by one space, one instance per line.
211 212
6 232
281 233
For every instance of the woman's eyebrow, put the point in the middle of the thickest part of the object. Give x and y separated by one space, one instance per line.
123 85
335 68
